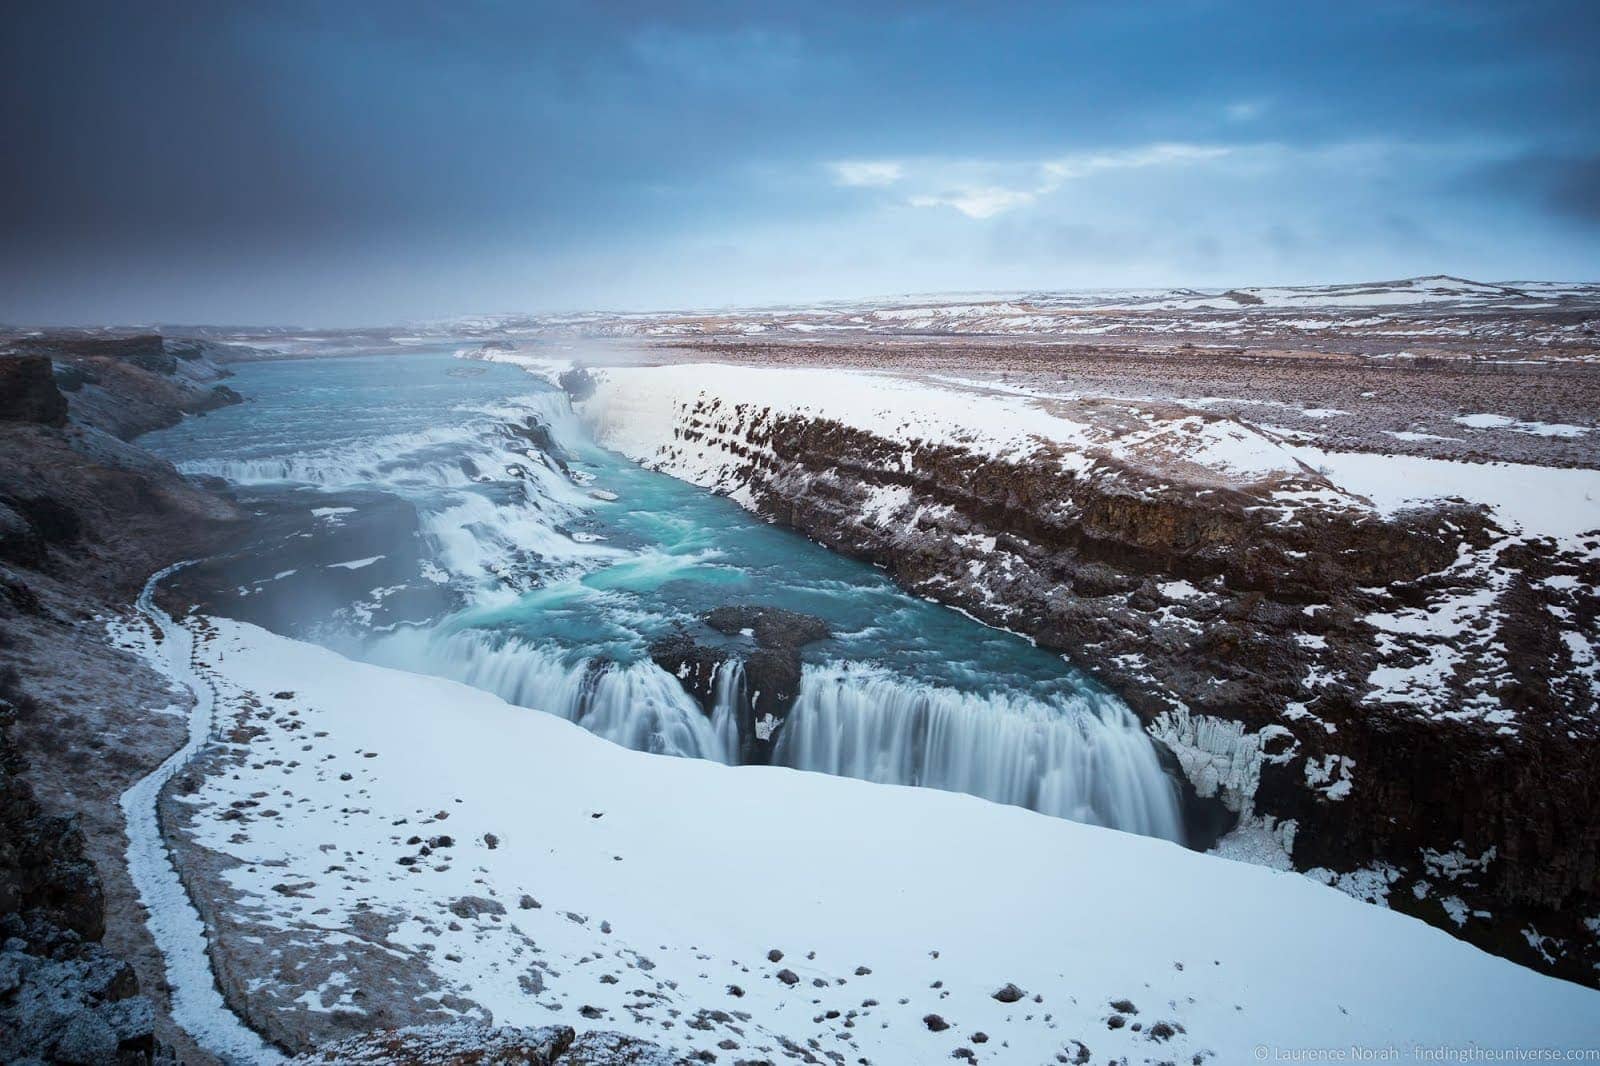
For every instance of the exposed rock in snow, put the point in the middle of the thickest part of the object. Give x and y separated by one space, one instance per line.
466 1044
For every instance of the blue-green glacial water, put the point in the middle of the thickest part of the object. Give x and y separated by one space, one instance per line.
545 581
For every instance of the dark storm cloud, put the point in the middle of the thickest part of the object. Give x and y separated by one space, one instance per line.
361 161
1576 188
1567 185
1564 185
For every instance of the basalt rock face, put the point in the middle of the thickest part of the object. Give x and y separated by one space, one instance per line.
28 391
127 384
771 627
62 997
770 671
1404 702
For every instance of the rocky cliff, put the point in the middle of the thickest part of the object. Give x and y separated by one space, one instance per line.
127 384
85 516
1401 703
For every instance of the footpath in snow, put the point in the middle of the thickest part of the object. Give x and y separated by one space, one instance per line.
197 1005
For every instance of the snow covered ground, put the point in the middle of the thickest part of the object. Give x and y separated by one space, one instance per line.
1423 309
545 874
637 408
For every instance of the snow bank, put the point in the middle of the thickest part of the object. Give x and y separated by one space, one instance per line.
673 878
635 410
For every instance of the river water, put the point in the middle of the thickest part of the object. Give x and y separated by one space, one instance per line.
536 565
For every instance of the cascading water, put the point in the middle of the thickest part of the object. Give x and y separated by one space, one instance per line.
637 705
1087 760
564 564
729 693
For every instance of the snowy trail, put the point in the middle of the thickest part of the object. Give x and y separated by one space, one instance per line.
196 1003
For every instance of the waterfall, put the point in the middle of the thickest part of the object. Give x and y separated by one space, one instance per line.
728 694
1085 758
637 705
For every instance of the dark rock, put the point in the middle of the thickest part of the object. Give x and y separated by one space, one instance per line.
63 998
578 383
537 433
473 906
53 521
772 627
1206 819
28 391
788 977
19 542
771 673
694 664
457 1044
16 592
1009 994
71 1003
774 955
43 870
220 396
935 1023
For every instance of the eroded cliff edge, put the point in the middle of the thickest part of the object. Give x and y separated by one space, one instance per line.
1400 701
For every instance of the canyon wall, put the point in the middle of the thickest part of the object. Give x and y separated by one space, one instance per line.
1400 702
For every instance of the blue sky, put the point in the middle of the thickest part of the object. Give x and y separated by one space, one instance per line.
349 163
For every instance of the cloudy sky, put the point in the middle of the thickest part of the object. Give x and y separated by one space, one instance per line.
351 163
